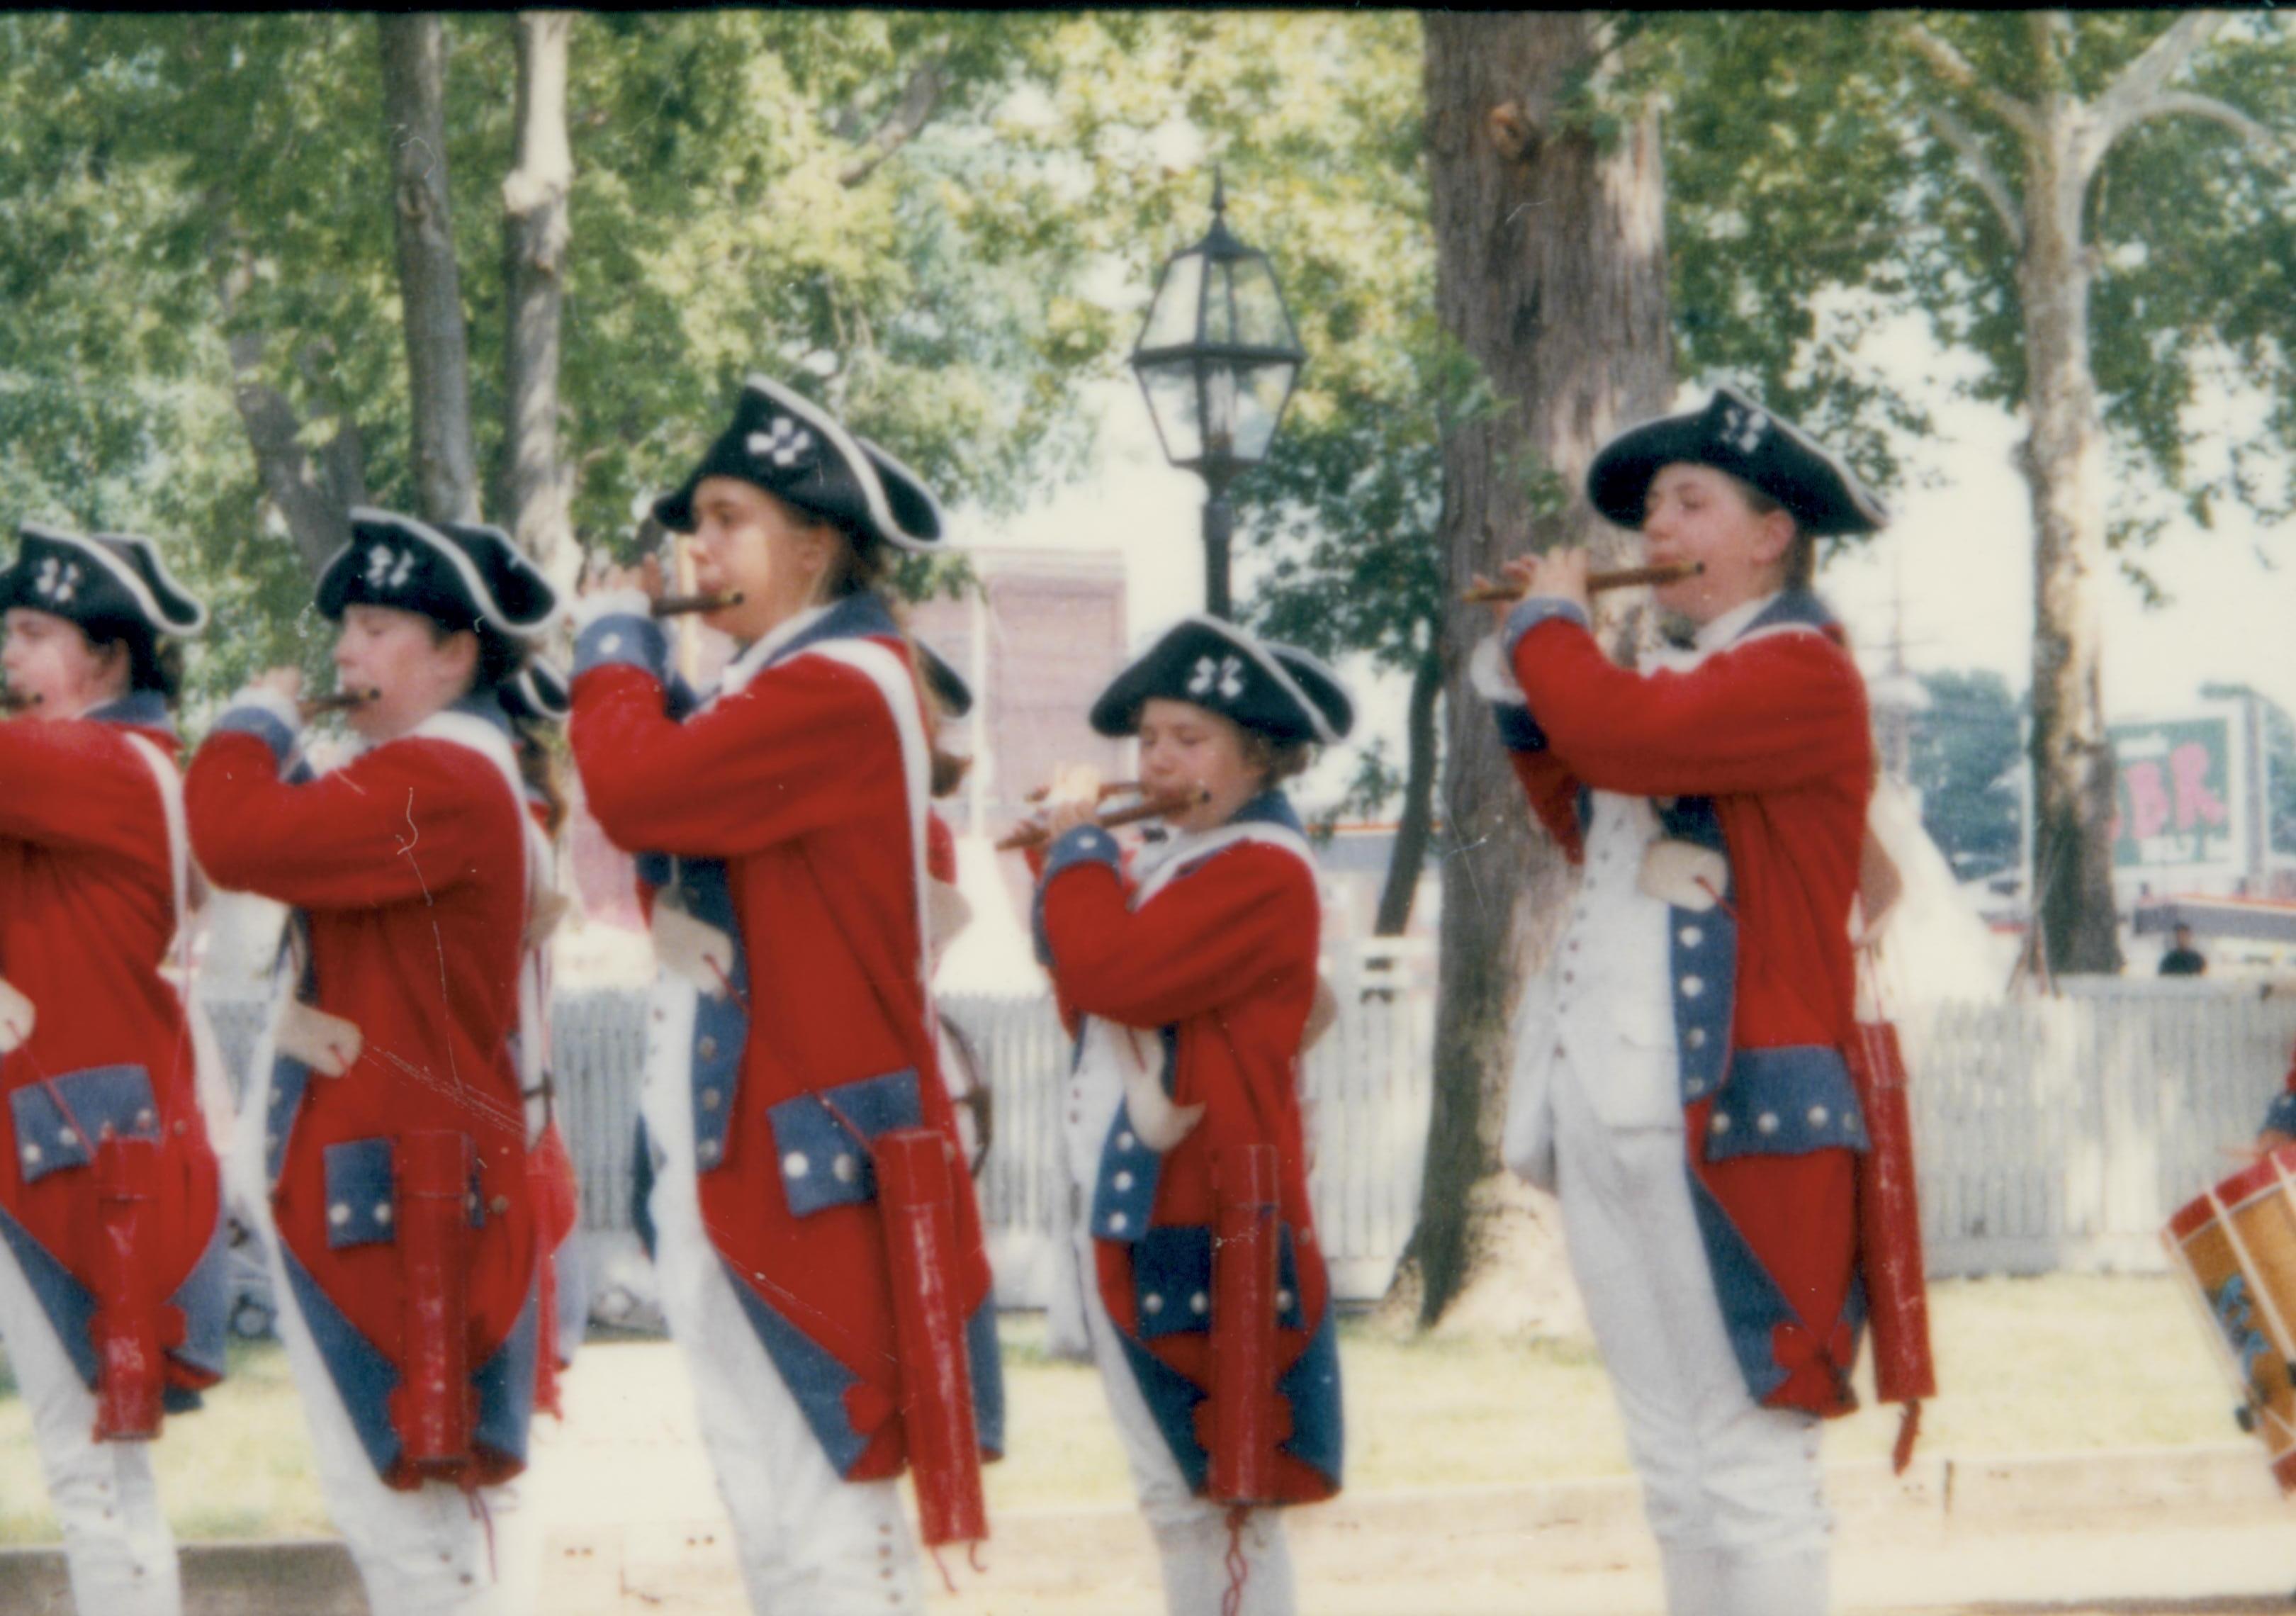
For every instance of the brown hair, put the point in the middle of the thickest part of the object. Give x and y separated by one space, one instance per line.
1276 760
154 662
537 765
1801 560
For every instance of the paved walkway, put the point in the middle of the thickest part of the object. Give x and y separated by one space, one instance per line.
2195 1531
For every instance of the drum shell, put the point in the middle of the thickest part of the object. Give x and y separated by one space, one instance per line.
2237 1247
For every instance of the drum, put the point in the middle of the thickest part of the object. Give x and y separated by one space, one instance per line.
2236 1247
968 1090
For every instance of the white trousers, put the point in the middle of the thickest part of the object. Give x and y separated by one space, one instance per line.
1733 1490
117 1544
435 1551
811 1543
1191 1533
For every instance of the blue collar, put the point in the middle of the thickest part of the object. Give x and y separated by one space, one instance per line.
140 708
1271 807
862 616
1795 608
488 706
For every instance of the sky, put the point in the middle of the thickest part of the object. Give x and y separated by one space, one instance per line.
1959 553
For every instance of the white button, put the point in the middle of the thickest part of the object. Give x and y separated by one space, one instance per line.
1282 1301
1721 1123
1151 1303
383 1211
1698 1038
1200 1303
611 644
708 1151
845 1169
795 1166
709 1099
32 1152
64 1135
1818 1115
1117 1222
1124 1141
1691 937
1767 1122
1691 987
339 1213
1697 1085
1123 1181
143 1118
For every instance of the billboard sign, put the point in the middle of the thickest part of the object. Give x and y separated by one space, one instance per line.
2181 805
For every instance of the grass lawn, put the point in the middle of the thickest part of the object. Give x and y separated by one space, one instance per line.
2026 1366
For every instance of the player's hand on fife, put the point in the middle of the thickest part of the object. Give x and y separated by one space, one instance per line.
1559 575
1073 798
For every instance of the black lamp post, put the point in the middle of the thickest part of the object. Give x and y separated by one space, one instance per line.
1217 358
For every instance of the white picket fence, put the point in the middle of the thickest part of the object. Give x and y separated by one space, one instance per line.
2061 1133
2051 1133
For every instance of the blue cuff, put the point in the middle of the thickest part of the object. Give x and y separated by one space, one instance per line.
361 1193
1080 844
2281 1115
1519 732
1533 611
261 723
1785 1102
623 640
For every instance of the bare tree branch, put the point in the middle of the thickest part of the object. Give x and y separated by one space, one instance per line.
2142 79
2172 103
920 98
1980 168
1950 65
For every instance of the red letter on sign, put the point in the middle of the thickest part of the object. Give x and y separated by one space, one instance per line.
2148 804
2194 801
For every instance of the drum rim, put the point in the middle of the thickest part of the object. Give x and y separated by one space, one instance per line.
2233 1192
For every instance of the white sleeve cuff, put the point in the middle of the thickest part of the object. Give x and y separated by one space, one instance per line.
1492 679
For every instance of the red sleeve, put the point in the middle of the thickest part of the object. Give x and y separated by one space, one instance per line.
940 847
1787 709
76 784
800 747
1209 937
408 820
1553 792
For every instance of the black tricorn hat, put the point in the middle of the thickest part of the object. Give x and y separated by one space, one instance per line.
1278 691
464 574
956 696
536 694
784 443
1734 434
108 580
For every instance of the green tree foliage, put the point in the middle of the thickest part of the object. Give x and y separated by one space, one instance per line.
197 230
1965 755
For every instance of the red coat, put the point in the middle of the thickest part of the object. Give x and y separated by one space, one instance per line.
87 910
795 800
1220 959
408 866
1772 731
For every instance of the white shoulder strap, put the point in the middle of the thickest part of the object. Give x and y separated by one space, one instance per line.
891 677
1220 841
179 858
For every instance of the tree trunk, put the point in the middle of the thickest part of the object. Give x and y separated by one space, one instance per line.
2063 463
413 49
1550 272
313 499
1413 830
534 484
